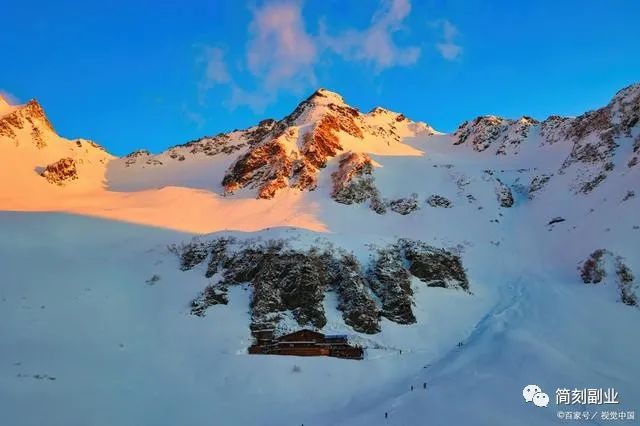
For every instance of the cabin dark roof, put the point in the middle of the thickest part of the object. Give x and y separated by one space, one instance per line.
302 335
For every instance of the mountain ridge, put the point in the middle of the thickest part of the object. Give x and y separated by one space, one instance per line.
331 151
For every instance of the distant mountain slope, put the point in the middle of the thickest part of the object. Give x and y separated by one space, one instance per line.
321 159
29 144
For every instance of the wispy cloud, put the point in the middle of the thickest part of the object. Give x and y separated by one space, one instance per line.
280 51
282 54
215 69
193 116
375 44
448 47
11 99
257 100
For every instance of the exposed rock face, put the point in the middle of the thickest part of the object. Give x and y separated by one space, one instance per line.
218 249
552 129
391 282
503 192
486 131
405 205
267 168
288 157
537 183
594 271
296 148
358 307
211 296
439 201
435 267
80 143
353 182
388 125
193 254
596 136
136 155
30 117
209 145
61 172
289 282
223 144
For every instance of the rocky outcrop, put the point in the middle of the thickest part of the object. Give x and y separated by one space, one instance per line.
486 131
266 167
142 156
596 136
435 267
292 283
30 117
537 183
552 130
353 182
212 295
296 148
503 192
358 308
61 172
193 254
136 155
404 205
391 282
600 264
209 145
290 154
439 201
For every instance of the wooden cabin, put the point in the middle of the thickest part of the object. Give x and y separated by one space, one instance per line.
304 343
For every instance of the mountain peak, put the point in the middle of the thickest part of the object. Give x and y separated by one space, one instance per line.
331 97
34 110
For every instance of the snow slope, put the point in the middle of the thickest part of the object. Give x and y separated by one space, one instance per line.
89 337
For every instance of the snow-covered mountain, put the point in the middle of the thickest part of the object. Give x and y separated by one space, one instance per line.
31 150
497 256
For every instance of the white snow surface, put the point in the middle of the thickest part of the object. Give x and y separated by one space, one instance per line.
88 339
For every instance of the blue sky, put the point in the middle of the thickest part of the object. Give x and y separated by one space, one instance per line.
152 74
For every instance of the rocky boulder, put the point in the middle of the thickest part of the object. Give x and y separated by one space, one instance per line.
439 201
61 172
405 205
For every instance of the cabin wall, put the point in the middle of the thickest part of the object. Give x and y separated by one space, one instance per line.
305 343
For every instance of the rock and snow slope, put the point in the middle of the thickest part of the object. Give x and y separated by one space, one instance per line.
522 203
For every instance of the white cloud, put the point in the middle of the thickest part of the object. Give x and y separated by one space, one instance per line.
215 68
257 101
280 51
449 49
282 55
375 44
